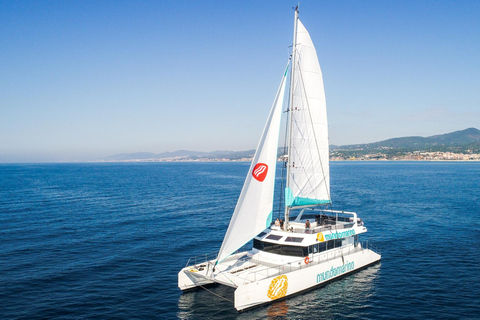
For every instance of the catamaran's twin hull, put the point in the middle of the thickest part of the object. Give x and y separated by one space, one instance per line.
188 279
269 289
270 271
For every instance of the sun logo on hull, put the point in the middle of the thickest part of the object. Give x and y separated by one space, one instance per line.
320 237
278 287
259 172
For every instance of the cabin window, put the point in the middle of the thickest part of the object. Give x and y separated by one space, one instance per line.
282 249
337 243
294 239
295 251
261 234
322 246
330 244
274 237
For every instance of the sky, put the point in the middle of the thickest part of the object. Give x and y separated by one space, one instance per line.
82 80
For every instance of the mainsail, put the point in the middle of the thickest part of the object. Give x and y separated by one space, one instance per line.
308 178
253 212
308 181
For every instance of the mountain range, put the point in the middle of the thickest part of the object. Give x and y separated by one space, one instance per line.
463 141
183 155
467 137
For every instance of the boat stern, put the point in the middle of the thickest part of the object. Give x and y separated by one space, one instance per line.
191 277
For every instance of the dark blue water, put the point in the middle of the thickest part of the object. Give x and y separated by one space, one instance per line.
83 241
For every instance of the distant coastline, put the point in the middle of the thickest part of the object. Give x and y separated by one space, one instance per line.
459 158
463 145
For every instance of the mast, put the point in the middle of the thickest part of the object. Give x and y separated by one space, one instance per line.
289 146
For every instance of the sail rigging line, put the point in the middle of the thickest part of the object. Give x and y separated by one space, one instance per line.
284 166
314 135
285 149
215 294
254 210
294 54
222 273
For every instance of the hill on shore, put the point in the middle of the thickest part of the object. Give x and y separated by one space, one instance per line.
463 141
467 137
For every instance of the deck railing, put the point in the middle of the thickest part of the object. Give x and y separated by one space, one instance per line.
201 259
299 264
323 222
322 228
265 272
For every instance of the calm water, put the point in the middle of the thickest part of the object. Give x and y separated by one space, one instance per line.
80 241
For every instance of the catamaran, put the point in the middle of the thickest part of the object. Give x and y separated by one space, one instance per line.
315 244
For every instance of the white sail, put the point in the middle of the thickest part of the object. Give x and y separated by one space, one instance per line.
281 264
253 212
309 174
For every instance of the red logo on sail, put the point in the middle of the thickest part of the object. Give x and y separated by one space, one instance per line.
260 171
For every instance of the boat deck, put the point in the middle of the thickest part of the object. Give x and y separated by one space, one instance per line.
299 226
242 268
321 222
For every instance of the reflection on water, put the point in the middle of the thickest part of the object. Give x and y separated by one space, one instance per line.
82 241
338 299
277 310
199 303
347 297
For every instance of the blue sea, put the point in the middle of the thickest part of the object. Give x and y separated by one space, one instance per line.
106 241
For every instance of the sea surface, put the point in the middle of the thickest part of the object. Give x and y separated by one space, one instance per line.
106 241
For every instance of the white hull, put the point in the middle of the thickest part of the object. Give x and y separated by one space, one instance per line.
309 249
272 283
267 290
187 280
